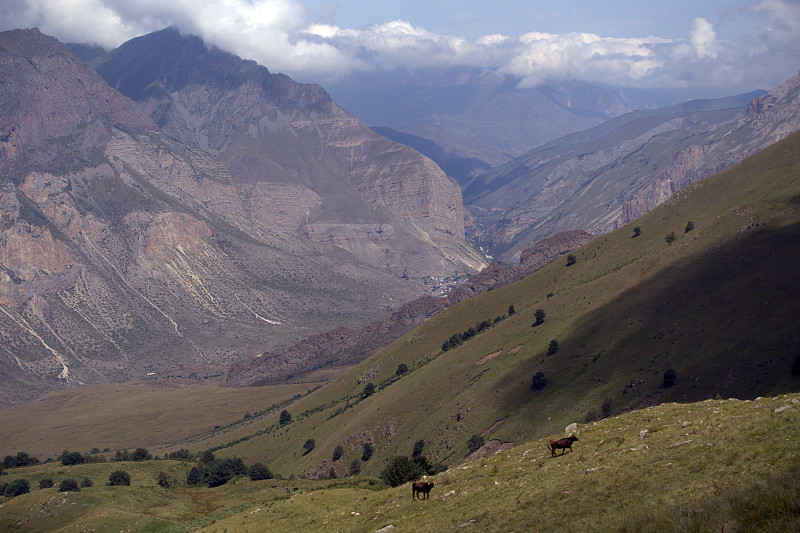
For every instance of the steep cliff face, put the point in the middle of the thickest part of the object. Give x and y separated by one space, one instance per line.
124 252
298 160
351 345
625 170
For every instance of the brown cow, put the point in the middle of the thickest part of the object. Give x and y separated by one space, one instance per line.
421 486
563 444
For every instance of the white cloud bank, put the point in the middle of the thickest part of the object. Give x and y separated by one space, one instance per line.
281 35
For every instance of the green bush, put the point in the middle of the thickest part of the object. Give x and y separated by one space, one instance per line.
46 483
286 417
553 347
369 390
119 478
607 408
402 369
259 472
401 469
69 485
539 381
141 454
367 451
637 231
418 447
86 482
17 488
163 480
475 442
670 238
670 377
689 226
337 452
308 446
540 316
71 458
355 467
571 260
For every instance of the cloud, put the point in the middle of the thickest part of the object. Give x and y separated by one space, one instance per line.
282 35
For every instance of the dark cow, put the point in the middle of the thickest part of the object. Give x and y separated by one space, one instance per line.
423 487
563 444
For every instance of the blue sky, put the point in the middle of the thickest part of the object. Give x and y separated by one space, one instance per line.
736 44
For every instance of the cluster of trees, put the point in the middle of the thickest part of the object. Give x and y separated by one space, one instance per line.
402 469
213 472
457 339
20 460
21 486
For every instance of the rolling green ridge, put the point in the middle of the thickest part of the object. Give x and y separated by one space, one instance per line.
717 465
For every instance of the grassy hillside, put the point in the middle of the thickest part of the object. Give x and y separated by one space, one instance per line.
717 465
719 305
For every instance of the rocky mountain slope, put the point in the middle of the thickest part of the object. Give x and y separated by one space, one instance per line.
603 178
125 253
297 160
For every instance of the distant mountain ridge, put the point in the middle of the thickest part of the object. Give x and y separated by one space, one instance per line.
600 179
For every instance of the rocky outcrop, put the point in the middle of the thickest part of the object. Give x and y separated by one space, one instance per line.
349 345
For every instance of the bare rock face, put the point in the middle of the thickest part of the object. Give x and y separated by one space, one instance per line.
349 345
299 161
125 253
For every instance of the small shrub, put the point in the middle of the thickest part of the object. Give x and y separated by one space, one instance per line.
475 442
402 369
119 478
258 472
16 488
511 310
163 480
418 447
355 467
181 455
332 473
607 408
670 377
46 483
367 451
308 446
571 260
337 452
637 231
552 348
86 482
670 238
369 390
400 470
591 416
539 381
540 316
286 417
69 485
195 476
122 455
689 227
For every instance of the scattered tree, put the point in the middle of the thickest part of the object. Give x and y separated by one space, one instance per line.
540 315
552 348
69 485
367 451
607 408
259 471
141 454
637 231
400 470
475 442
571 260
511 310
337 452
119 478
332 473
16 488
194 477
163 480
670 377
308 446
86 482
71 458
402 369
539 381
46 483
418 447
670 238
689 226
286 417
355 467
369 390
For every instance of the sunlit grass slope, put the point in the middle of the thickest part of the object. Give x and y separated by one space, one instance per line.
716 465
719 305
